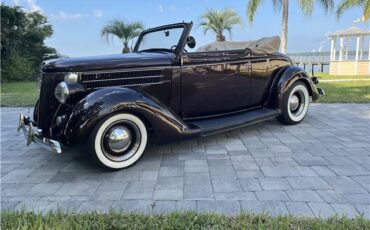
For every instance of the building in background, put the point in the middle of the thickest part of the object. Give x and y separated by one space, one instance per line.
350 52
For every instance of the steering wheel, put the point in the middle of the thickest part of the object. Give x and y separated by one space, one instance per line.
173 48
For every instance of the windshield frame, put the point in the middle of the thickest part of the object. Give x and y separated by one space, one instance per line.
181 44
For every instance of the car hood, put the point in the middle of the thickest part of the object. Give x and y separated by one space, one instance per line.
108 62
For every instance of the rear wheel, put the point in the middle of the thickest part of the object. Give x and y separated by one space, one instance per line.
118 141
295 104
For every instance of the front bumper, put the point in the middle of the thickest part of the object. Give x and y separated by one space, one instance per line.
33 136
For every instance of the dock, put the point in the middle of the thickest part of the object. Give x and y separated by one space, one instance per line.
310 61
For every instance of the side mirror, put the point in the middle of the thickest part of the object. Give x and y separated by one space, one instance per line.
191 42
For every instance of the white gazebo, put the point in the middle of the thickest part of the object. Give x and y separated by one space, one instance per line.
348 62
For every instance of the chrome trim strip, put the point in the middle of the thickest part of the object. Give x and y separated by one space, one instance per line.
113 70
246 61
144 84
127 70
63 73
118 79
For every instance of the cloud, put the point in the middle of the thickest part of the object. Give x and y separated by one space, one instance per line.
34 6
64 16
29 5
97 13
61 15
162 8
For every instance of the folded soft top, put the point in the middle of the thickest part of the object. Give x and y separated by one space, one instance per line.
267 45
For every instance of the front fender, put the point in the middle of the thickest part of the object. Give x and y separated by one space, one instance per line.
104 102
284 80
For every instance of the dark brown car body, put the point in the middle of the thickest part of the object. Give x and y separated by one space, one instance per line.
178 95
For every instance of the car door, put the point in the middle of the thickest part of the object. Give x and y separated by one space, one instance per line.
214 83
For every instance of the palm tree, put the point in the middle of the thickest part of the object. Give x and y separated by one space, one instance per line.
346 4
218 21
306 6
124 31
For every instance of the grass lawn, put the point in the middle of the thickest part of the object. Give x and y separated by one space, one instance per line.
19 94
345 92
188 220
326 76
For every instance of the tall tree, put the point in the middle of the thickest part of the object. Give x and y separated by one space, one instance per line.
307 7
346 4
218 21
124 31
23 46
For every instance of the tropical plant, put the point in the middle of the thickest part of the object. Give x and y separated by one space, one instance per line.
307 7
124 31
346 4
218 21
23 36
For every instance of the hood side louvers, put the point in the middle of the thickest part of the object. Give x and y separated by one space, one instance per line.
132 78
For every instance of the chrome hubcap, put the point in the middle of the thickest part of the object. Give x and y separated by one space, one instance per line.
119 139
294 102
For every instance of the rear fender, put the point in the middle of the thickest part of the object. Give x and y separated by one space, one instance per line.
285 78
99 104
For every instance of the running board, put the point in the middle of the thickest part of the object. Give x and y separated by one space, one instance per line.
217 125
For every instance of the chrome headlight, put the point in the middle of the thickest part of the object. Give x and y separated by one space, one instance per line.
71 77
61 92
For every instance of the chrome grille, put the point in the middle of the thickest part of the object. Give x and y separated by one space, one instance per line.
132 78
48 104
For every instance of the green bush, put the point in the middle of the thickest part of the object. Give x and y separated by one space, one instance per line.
23 46
18 68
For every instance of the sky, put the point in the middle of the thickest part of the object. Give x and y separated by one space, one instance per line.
77 24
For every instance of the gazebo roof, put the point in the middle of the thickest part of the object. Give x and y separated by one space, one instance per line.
350 32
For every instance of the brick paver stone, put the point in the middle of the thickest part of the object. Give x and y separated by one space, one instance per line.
319 167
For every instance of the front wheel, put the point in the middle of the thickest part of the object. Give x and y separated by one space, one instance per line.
295 103
118 141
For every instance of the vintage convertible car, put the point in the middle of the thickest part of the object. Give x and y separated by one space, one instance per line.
114 103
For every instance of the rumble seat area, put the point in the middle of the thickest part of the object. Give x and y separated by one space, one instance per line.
263 46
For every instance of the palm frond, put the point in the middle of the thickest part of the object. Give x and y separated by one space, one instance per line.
228 29
346 4
307 6
122 30
219 20
366 11
252 9
277 4
327 4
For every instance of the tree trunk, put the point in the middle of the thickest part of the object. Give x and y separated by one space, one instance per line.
284 27
220 37
126 49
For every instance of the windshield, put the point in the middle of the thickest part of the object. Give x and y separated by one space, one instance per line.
166 39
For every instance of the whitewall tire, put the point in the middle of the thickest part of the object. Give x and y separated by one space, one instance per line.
118 141
295 104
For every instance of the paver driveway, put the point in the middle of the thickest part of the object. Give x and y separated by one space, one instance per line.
319 167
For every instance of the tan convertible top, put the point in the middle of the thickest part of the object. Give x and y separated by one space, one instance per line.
267 45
